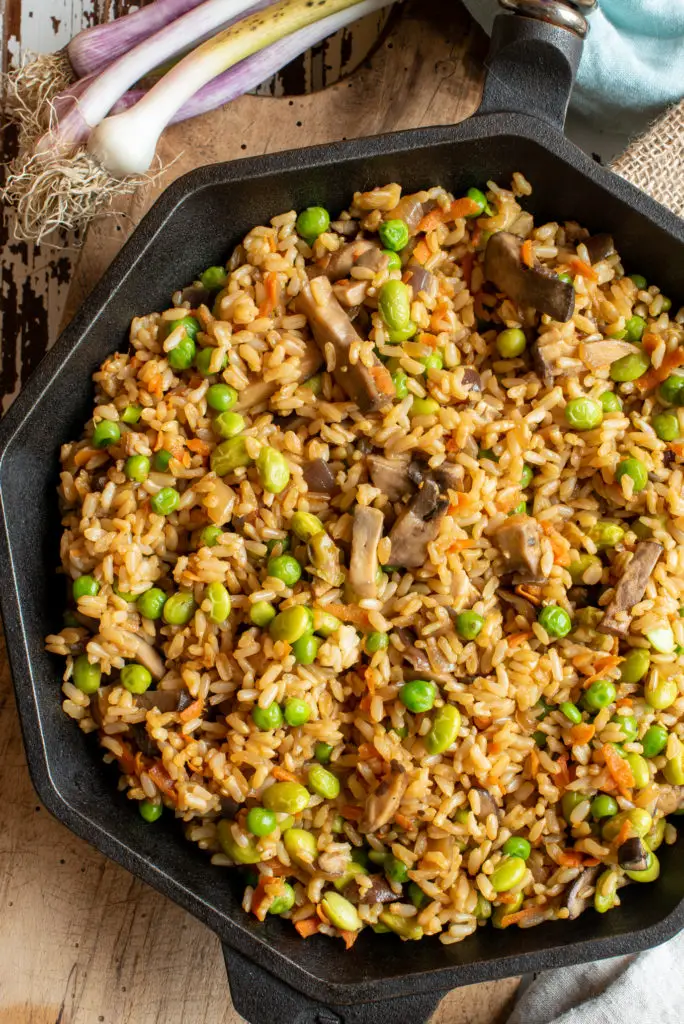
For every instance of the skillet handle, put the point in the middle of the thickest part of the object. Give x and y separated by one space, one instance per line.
531 69
261 998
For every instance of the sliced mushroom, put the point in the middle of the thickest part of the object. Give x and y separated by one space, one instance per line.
370 387
319 477
518 539
380 891
383 804
488 804
419 660
449 476
630 588
363 563
581 892
600 247
345 227
421 280
196 295
633 854
219 502
411 209
670 799
470 379
350 293
163 700
144 653
259 391
602 353
99 703
143 741
542 363
324 555
390 475
417 526
528 286
521 606
340 264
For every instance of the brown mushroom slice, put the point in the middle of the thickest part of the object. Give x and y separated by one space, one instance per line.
340 264
219 502
633 854
488 804
670 799
449 476
162 700
371 387
350 293
518 539
196 295
528 286
390 476
258 392
630 588
470 379
411 209
363 563
421 666
324 555
345 227
379 892
598 354
383 804
142 739
319 477
417 526
542 364
600 247
581 892
520 604
421 280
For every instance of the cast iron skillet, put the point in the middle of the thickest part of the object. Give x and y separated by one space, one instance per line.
274 975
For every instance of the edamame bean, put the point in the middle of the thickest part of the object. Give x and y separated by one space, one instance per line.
444 729
610 401
660 693
261 822
649 874
131 414
527 476
230 455
306 525
324 623
340 912
247 854
151 603
581 565
286 798
219 600
179 609
323 782
674 770
571 712
635 666
654 741
628 725
477 196
630 367
571 799
640 821
424 407
400 381
273 470
290 624
300 844
86 676
605 892
405 927
150 810
432 362
136 678
395 870
306 648
394 303
655 837
640 771
417 896
603 807
508 873
399 334
106 432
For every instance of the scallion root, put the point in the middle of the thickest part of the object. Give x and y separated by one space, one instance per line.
30 90
53 189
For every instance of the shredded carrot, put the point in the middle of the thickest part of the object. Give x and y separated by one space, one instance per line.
476 237
527 253
562 778
383 379
421 252
349 938
462 544
559 545
654 377
467 264
128 761
459 208
624 702
197 445
507 897
582 733
154 385
427 339
282 774
271 287
366 752
625 833
583 269
267 890
571 858
309 926
518 916
650 342
351 813
431 220
162 779
515 639
534 762
365 702
192 710
348 613
620 770
85 455
322 914
602 666
404 822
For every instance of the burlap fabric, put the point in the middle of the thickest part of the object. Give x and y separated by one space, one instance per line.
655 161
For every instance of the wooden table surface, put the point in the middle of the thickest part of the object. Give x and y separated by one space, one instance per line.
81 940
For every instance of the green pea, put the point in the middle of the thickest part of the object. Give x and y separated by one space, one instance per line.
508 873
182 355
291 624
209 536
424 407
179 609
285 568
579 567
417 896
432 362
161 459
527 476
125 595
268 718
341 913
393 259
137 468
400 381
444 729
666 426
628 725
297 712
583 413
649 874
570 800
605 892
517 846
306 648
86 676
284 902
300 844
398 334
207 363
394 234
636 470
220 602
106 432
395 870
261 822
394 303
606 534
635 327
312 222
221 397
660 693
655 837
150 810
418 695
248 854
565 277
603 807
377 642
610 401
635 666
480 198
672 389
306 525
136 678
189 324
555 620
599 695
151 603
323 782
469 625
131 414
229 455
511 343
85 586
667 304
213 278
674 770
571 712
640 770
640 821
229 424
405 927
324 623
165 501
630 367
654 741
639 281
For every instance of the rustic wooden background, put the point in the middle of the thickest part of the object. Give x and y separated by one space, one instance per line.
81 940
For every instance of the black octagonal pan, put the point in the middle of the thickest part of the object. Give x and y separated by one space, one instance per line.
274 975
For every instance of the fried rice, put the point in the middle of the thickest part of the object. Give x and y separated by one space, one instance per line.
466 485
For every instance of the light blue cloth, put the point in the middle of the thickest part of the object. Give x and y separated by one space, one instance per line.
633 60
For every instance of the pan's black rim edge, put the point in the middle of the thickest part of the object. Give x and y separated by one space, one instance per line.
233 935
